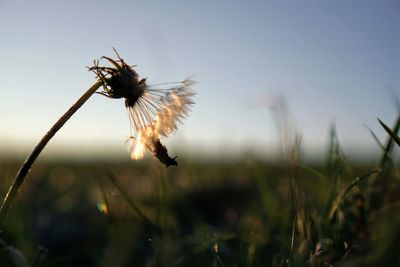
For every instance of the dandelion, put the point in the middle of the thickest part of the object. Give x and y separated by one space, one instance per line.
153 112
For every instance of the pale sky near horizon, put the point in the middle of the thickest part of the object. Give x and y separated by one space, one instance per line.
333 61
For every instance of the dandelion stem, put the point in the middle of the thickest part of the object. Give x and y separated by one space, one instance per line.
25 168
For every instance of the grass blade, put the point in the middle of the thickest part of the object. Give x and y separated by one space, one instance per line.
381 146
389 144
394 136
343 194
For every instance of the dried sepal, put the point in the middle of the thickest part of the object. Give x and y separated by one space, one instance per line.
119 81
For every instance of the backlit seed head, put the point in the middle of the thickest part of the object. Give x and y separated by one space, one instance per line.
153 111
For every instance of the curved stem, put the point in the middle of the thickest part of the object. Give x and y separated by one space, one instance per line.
25 168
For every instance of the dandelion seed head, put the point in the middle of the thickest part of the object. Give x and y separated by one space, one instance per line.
175 107
153 112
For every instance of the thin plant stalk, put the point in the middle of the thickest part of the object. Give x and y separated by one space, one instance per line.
25 168
148 224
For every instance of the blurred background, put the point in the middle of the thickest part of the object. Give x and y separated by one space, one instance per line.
282 161
333 63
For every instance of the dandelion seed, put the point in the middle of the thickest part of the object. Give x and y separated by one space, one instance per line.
153 112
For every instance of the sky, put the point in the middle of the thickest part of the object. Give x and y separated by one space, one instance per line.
333 62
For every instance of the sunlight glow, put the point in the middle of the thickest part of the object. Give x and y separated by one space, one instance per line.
102 207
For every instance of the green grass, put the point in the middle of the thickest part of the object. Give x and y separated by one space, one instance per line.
241 213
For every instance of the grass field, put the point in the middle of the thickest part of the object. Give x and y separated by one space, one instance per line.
245 212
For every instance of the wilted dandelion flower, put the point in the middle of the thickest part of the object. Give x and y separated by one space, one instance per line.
153 112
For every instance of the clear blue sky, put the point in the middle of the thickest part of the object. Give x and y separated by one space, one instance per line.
332 60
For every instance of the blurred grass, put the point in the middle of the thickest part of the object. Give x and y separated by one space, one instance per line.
246 212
